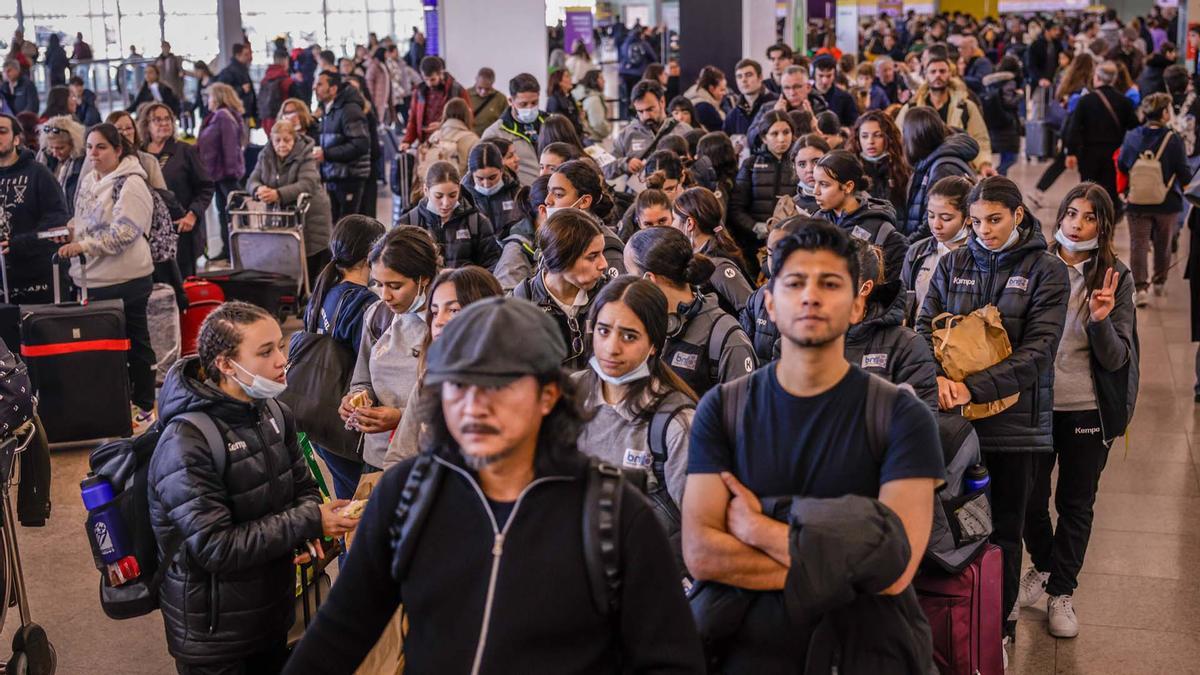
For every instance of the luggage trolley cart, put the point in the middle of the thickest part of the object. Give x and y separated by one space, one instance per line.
268 238
32 652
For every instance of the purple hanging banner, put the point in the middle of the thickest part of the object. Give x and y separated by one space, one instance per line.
578 26
431 28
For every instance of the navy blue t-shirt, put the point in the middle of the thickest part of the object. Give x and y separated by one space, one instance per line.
813 446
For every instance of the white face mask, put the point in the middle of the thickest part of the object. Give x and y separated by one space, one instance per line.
962 235
1076 246
805 188
259 387
489 191
1012 239
551 210
639 373
876 159
418 301
526 115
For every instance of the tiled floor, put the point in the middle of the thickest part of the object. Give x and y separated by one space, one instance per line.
1138 600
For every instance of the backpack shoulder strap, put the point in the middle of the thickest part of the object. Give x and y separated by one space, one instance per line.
733 407
656 437
881 399
885 230
601 535
723 326
1162 145
416 500
213 438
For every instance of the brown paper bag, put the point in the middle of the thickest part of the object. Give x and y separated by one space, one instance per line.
366 485
965 345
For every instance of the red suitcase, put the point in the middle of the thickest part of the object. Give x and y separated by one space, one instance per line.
203 297
964 615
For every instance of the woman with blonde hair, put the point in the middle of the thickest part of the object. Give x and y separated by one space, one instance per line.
222 138
298 113
63 152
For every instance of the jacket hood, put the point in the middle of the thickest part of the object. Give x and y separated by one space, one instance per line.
1031 240
183 391
275 71
960 145
885 308
25 157
869 209
697 94
346 95
998 77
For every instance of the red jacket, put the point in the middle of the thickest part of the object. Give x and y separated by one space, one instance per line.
416 116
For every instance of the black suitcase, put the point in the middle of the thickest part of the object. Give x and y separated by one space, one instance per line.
10 315
275 293
77 354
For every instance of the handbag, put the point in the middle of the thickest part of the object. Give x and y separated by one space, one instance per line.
318 374
965 345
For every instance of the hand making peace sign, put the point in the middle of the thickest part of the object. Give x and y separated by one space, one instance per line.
1104 298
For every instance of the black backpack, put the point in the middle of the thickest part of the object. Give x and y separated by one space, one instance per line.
665 509
270 98
126 465
601 523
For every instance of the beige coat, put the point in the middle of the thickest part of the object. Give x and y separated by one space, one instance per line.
975 124
454 131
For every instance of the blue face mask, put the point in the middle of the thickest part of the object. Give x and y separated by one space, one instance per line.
259 387
639 373
489 191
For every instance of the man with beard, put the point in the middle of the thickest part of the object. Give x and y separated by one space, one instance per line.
799 430
950 98
31 201
499 575
639 139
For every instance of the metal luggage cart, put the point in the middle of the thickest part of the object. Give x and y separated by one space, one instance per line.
32 651
269 238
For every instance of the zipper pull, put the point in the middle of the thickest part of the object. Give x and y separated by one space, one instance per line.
498 545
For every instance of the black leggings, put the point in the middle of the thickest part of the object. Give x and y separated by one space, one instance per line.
1011 476
135 295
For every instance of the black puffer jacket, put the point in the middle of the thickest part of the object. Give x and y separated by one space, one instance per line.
762 178
1002 110
345 137
232 589
880 344
1030 287
952 158
875 223
466 239
759 327
501 208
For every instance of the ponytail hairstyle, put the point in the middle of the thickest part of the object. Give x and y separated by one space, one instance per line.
471 284
531 196
703 207
719 150
349 245
566 151
441 172
222 332
664 165
649 304
845 167
1106 252
667 253
586 180
649 198
870 265
1002 191
953 189
110 134
408 251
898 170
565 237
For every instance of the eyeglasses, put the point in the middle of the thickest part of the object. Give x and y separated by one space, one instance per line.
577 346
55 130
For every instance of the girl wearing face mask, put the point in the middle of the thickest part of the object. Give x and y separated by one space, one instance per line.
697 214
1006 265
763 177
242 529
578 184
840 187
402 266
947 221
705 345
450 292
876 141
755 320
493 190
642 411
809 148
1095 386
570 273
285 170
463 233
519 253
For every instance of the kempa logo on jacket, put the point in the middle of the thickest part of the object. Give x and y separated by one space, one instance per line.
1086 431
964 282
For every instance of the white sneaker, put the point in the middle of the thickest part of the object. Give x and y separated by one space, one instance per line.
1160 290
1063 623
1141 298
142 419
1033 585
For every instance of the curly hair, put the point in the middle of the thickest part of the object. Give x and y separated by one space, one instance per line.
898 169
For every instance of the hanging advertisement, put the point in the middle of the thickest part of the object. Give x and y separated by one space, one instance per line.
578 25
846 26
431 28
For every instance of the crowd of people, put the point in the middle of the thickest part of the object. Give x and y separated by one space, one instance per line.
712 296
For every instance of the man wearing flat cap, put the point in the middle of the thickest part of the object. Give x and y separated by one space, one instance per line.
510 550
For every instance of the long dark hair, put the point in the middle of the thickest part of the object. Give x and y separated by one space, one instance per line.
648 302
349 244
667 253
719 150
557 128
472 283
845 167
702 206
1105 257
407 250
898 170
565 237
57 100
923 132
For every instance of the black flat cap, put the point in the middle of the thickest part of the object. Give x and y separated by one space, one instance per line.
495 341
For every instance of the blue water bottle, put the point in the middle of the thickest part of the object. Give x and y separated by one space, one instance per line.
976 479
107 530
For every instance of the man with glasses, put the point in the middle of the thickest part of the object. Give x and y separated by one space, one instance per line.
797 94
31 206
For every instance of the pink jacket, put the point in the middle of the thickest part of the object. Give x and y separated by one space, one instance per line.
379 82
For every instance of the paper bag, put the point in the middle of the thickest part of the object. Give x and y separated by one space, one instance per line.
965 345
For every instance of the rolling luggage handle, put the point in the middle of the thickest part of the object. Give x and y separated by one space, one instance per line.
4 277
83 285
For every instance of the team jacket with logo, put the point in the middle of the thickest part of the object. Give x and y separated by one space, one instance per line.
880 344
